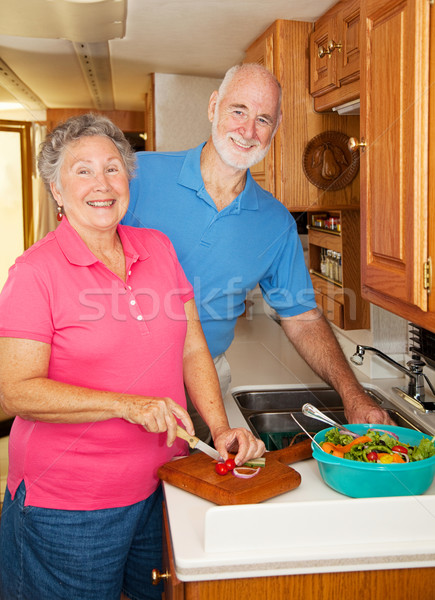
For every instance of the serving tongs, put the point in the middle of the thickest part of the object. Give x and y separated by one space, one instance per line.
311 411
306 432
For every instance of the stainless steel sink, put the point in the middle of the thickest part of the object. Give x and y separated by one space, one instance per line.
268 412
290 399
277 429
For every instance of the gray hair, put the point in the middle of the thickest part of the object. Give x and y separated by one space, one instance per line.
52 150
248 68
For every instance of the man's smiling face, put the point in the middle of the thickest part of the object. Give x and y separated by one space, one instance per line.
245 119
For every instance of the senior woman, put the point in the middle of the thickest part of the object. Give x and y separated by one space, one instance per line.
98 330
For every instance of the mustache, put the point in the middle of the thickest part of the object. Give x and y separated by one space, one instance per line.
242 140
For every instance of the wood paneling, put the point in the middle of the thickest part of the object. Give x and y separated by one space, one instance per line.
126 120
399 584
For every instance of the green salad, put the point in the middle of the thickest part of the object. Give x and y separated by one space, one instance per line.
377 446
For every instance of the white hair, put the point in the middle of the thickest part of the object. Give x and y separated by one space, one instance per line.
247 68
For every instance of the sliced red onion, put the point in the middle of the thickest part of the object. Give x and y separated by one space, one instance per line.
402 454
348 432
385 431
248 472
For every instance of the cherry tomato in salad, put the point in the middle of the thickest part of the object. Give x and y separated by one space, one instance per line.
372 456
230 464
221 468
401 449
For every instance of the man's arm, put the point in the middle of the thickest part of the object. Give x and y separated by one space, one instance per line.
313 338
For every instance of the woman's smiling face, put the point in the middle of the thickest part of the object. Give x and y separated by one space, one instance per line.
94 190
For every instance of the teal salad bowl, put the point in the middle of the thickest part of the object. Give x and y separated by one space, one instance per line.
369 480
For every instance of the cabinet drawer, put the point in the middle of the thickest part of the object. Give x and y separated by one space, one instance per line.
326 239
333 311
319 299
326 288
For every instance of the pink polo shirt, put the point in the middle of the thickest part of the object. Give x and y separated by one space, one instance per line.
105 334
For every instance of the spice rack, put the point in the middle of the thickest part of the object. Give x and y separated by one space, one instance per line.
338 293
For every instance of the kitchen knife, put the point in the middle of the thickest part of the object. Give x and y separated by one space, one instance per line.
197 444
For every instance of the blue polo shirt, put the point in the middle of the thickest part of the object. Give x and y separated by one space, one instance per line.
223 253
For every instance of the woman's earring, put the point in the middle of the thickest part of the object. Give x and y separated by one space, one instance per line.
59 215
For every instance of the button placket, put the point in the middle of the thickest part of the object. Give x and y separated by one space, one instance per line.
133 307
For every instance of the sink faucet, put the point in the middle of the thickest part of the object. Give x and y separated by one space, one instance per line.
414 370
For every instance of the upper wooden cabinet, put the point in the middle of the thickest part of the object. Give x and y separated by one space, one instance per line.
261 52
335 56
397 185
283 49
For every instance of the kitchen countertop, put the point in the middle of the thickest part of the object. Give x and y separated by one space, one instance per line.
292 533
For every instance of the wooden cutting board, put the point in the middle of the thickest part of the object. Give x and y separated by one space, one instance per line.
196 474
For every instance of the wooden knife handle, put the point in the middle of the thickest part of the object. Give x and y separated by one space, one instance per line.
293 453
190 439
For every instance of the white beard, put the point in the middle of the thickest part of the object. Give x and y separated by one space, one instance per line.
228 151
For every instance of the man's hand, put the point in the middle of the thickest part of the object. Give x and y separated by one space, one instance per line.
360 408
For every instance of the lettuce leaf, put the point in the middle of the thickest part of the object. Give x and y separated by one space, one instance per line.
425 449
335 437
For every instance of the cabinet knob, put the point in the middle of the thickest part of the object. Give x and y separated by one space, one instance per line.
322 51
157 577
353 144
331 46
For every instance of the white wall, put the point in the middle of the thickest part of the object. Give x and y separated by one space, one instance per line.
181 103
11 202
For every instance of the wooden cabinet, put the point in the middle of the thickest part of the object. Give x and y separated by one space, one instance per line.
335 56
397 184
400 584
126 120
150 120
337 289
283 49
173 587
261 52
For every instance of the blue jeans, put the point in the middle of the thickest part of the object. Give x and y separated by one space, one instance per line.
79 555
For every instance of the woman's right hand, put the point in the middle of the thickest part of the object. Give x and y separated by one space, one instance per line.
156 415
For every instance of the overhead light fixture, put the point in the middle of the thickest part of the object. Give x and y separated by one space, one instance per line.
350 108
94 60
73 20
18 89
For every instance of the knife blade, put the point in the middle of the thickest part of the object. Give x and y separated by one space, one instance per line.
197 444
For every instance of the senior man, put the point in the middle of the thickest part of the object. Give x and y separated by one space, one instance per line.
231 235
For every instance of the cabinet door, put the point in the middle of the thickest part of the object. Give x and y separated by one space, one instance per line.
349 55
394 126
323 69
173 587
334 77
262 53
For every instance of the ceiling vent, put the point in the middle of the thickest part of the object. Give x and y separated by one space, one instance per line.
18 89
94 61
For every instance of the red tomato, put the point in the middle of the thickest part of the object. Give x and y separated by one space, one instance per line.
401 449
221 468
230 464
372 456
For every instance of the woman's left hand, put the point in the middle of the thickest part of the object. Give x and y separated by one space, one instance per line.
238 440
